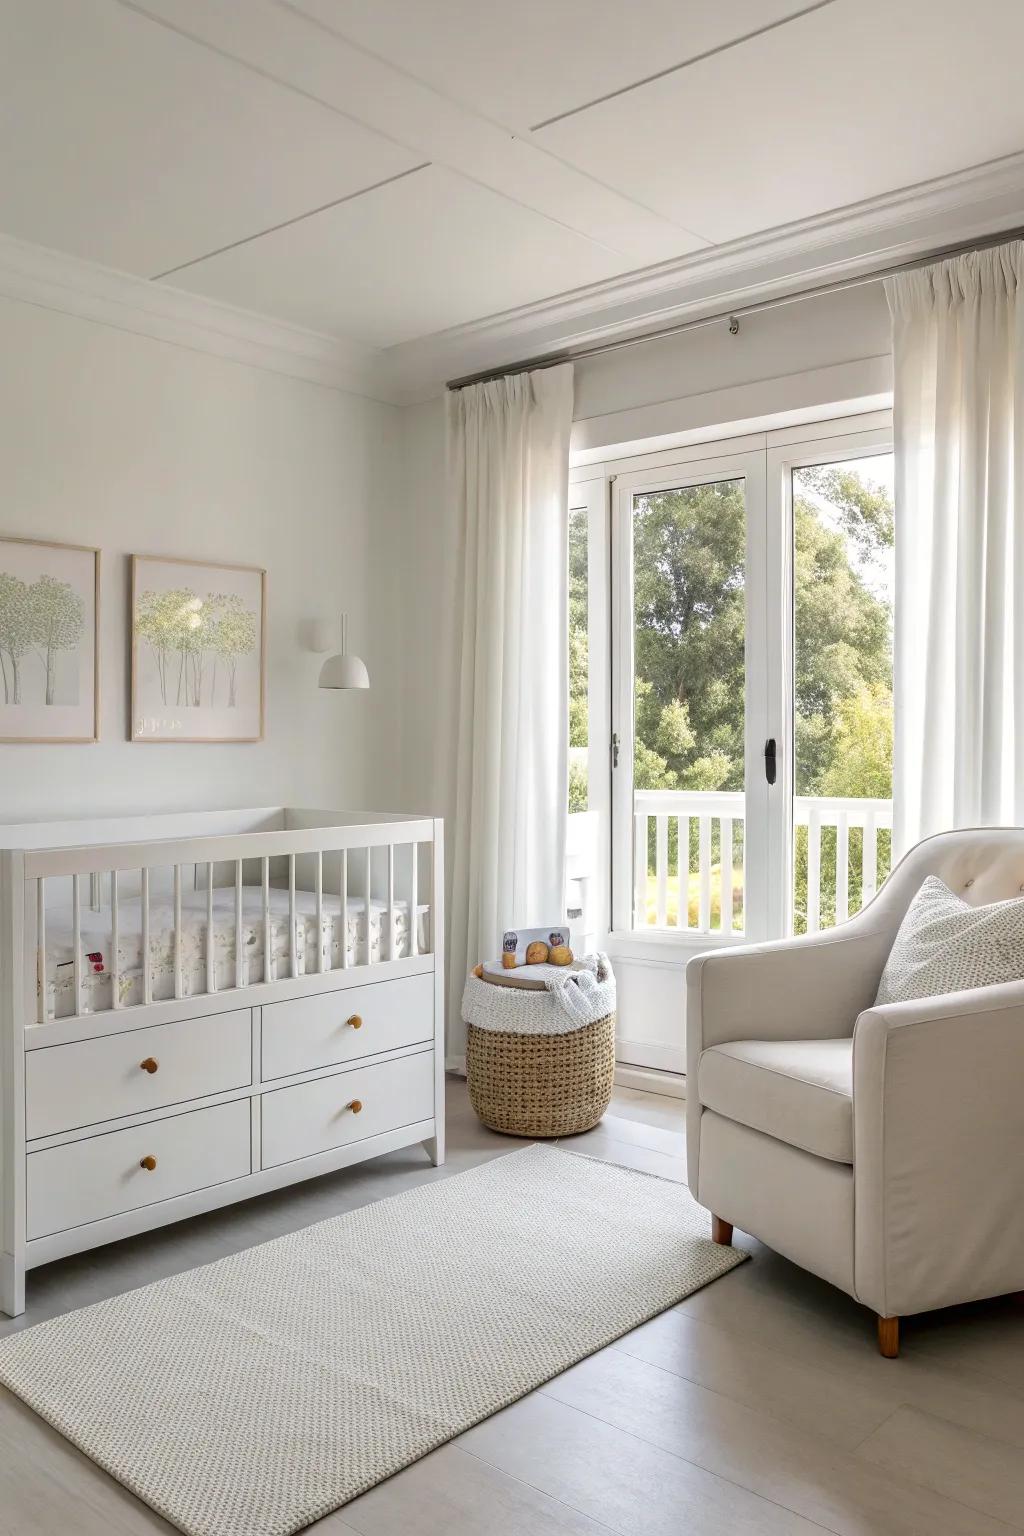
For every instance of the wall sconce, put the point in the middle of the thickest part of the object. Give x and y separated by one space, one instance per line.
342 670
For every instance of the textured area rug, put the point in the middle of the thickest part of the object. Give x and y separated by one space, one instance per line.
255 1394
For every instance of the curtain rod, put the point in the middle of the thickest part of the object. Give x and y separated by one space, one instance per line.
734 316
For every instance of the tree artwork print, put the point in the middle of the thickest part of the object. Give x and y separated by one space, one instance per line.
197 643
189 635
48 612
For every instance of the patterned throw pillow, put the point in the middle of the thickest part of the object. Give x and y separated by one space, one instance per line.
946 945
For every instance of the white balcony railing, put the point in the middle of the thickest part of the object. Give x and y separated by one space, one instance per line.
692 870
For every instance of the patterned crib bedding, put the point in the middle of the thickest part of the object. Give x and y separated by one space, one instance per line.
97 958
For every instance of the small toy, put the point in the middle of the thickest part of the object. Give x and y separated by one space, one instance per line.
518 945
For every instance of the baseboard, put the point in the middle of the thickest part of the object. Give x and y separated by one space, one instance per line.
650 1080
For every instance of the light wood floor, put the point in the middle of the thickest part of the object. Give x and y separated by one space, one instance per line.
757 1407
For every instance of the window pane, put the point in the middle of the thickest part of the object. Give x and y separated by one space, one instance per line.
843 589
579 659
689 551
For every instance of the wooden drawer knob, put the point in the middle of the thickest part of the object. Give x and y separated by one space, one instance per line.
355 1021
149 1065
355 1106
149 1163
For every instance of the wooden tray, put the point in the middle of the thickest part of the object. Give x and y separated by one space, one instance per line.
527 978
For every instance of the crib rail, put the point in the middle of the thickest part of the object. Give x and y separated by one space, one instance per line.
339 861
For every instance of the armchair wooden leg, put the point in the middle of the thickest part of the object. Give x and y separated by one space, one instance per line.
721 1231
889 1337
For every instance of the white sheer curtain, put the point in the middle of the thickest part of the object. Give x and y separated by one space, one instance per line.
508 472
958 351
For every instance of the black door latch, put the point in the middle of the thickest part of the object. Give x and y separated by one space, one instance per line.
769 760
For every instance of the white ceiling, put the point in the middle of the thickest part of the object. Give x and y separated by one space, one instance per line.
524 62
856 99
386 170
127 144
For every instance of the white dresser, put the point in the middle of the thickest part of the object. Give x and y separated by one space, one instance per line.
131 1128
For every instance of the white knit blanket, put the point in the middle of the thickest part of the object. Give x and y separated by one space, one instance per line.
569 1002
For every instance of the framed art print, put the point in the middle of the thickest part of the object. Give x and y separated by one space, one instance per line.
49 641
198 650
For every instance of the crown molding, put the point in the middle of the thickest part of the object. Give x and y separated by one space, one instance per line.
847 243
33 274
813 252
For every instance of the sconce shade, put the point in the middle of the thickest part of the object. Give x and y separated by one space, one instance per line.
344 671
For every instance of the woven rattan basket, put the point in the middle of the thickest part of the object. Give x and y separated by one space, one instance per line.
541 1084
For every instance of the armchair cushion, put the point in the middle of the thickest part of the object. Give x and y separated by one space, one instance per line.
944 945
799 1091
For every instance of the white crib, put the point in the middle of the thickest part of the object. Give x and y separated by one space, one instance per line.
196 1008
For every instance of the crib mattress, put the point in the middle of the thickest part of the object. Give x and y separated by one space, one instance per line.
97 957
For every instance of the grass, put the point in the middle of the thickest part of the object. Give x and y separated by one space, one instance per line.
693 899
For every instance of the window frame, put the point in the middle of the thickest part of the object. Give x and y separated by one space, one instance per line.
846 439
605 485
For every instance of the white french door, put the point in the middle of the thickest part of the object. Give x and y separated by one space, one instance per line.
690 699
748 614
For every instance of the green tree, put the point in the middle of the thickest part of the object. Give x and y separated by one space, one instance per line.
57 617
233 634
579 655
689 603
688 566
15 632
161 621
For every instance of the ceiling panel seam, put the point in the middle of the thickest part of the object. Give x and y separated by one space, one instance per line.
675 69
296 10
299 218
139 8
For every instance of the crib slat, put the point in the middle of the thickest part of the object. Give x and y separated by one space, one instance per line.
268 948
238 923
392 946
343 891
414 901
147 978
211 953
320 910
76 922
369 940
42 1012
115 943
293 938
177 930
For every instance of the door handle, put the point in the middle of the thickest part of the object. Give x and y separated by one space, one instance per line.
769 760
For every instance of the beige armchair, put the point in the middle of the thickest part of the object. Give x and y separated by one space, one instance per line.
882 1148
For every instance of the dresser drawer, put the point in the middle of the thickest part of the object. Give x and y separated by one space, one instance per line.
316 1116
104 1175
335 1027
68 1086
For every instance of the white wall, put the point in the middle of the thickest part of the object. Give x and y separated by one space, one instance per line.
784 362
131 444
